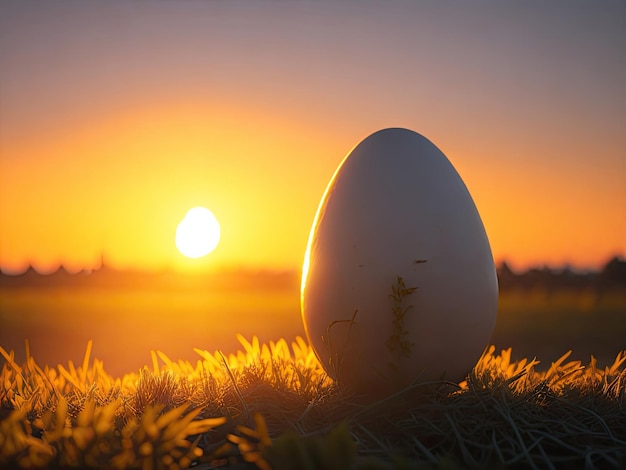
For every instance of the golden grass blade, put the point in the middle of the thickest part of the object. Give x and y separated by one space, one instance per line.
71 378
155 362
85 366
554 368
9 358
236 387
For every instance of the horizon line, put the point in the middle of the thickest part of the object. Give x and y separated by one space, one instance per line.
249 269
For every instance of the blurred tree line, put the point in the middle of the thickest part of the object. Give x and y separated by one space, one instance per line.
611 277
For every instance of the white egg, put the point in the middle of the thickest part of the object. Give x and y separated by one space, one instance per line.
396 213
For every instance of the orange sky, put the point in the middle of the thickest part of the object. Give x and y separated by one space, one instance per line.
117 117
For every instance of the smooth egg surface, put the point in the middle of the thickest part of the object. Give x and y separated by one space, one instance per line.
399 284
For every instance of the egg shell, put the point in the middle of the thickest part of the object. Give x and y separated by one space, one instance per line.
396 211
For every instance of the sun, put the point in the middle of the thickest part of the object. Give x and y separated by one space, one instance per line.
198 233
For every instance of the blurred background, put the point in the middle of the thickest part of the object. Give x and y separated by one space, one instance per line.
543 313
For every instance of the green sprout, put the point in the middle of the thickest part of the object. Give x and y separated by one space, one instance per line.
398 339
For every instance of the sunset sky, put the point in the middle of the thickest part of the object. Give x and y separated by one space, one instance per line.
116 117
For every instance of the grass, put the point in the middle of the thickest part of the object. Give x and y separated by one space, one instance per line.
271 406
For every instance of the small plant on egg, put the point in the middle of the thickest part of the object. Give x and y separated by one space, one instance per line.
398 340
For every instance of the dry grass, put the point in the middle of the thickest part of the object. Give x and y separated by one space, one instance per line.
273 406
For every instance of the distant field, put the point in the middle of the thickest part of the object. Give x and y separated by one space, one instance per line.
546 325
126 323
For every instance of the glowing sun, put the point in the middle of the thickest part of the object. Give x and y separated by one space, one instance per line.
198 233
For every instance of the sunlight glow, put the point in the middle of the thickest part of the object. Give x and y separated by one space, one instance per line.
198 233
